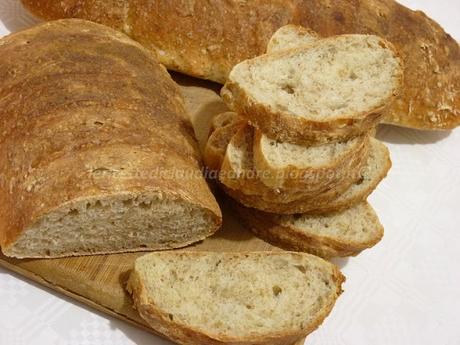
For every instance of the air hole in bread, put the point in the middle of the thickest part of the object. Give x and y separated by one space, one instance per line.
276 290
288 89
128 202
73 212
144 205
301 268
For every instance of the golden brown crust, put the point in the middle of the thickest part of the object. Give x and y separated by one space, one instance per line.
88 113
184 334
208 43
265 226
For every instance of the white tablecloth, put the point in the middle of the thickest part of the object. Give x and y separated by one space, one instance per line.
405 291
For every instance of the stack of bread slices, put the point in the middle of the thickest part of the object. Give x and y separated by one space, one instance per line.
297 152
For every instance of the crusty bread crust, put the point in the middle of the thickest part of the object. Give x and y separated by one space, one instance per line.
265 226
89 113
208 43
285 127
186 335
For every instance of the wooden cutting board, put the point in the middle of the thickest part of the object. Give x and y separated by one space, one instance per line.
98 281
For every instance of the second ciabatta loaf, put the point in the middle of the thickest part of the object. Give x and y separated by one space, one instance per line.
95 139
332 89
207 38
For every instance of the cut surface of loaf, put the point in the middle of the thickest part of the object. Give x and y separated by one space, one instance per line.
312 167
92 141
377 166
342 233
291 36
257 298
333 89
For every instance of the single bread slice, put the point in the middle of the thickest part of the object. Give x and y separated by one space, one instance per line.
334 200
336 234
333 89
217 143
291 36
254 298
312 167
238 173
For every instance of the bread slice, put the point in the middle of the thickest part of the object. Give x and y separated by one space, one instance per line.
334 200
254 298
333 89
238 173
308 168
342 233
216 146
291 36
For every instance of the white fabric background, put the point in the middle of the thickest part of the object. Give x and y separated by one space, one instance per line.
405 291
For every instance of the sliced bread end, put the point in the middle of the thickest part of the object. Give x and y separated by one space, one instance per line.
257 298
338 234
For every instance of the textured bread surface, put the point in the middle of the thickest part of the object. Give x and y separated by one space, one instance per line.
234 298
377 166
290 37
335 88
88 118
342 233
207 38
294 167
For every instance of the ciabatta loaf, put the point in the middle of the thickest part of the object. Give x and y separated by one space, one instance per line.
342 233
333 89
207 38
333 200
98 154
312 167
255 298
290 37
